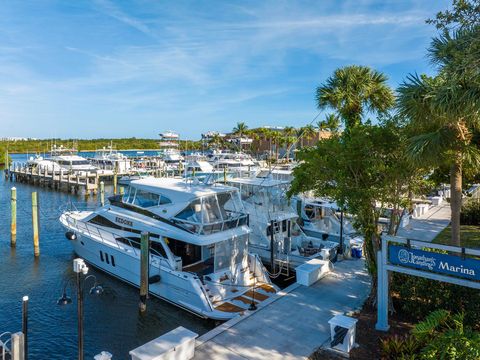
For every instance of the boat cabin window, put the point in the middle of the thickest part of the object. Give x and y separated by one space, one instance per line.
189 253
144 198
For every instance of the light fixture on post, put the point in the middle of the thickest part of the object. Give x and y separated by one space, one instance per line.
79 267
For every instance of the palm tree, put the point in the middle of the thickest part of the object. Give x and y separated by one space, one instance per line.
289 139
240 129
355 89
306 132
331 123
444 111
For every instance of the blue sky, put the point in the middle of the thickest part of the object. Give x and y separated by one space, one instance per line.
107 68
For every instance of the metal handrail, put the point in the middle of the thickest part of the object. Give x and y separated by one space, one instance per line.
75 224
3 344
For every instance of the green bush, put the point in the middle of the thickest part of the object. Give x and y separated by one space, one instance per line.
439 336
418 296
470 214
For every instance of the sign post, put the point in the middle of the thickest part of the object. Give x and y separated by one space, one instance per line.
410 257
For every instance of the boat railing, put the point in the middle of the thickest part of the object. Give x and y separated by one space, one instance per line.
4 345
212 227
107 236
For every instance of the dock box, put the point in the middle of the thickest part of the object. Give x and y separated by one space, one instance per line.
312 271
178 344
342 332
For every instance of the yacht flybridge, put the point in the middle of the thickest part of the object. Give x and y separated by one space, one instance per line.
276 237
199 244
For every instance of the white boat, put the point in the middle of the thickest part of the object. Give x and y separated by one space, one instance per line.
40 163
322 218
169 144
232 161
109 158
199 244
69 160
275 233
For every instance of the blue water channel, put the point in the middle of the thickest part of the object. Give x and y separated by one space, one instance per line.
112 320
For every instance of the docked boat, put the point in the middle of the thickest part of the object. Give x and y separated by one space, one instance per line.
69 160
109 158
276 236
40 163
169 150
232 161
322 218
199 244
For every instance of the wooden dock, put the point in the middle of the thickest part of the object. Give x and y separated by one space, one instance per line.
63 180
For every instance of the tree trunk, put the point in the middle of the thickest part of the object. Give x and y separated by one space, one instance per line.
456 198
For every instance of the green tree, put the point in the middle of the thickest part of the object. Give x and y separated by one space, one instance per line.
240 129
353 90
445 112
365 172
307 132
330 123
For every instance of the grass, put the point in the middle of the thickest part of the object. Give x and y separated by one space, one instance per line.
469 235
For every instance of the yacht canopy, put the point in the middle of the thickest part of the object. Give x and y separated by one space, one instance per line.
177 190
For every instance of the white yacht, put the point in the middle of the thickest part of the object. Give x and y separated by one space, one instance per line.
232 161
40 163
199 244
198 168
109 158
275 233
69 160
321 218
169 150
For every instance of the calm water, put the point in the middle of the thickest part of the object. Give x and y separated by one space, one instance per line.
112 321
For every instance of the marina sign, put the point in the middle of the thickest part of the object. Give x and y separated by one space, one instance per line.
435 262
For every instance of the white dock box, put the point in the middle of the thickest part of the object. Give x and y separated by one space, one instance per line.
312 271
345 322
178 344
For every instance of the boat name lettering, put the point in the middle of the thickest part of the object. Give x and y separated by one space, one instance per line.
123 221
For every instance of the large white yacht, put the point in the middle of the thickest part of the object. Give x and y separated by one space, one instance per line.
69 160
108 158
199 244
40 163
169 150
276 237
232 160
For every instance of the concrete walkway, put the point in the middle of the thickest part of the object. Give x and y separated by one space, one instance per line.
429 225
294 324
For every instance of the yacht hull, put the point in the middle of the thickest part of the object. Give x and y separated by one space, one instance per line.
174 287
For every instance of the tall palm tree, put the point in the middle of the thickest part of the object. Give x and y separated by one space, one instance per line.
444 111
307 132
352 90
240 129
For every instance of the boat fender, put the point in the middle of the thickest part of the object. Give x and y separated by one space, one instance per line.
154 279
70 235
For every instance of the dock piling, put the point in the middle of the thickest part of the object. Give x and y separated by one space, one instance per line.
13 223
102 193
36 247
144 267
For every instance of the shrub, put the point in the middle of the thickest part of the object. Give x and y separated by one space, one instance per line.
470 214
400 347
418 296
440 336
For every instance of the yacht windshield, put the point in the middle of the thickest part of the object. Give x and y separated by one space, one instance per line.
213 213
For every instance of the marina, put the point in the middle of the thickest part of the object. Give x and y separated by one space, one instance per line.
240 180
